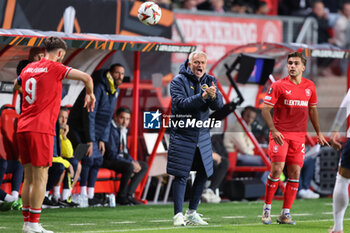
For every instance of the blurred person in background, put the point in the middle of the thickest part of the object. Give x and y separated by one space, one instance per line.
236 139
212 5
117 158
93 128
262 8
190 5
342 32
294 8
342 28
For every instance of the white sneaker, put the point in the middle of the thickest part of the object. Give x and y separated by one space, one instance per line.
312 194
179 220
308 194
36 229
194 219
24 228
208 196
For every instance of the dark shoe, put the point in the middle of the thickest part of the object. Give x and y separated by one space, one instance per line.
123 201
69 203
94 202
59 203
5 206
134 201
48 204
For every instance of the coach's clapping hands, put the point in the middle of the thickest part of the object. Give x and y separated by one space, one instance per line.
210 91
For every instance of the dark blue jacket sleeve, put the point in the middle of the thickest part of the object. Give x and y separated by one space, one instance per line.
92 115
182 102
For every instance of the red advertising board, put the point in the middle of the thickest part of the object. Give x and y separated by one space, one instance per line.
216 35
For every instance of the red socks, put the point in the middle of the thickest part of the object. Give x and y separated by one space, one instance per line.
25 213
271 187
34 215
290 193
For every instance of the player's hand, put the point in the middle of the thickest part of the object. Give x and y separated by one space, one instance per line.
321 140
90 150
212 91
89 102
71 170
101 147
216 157
205 95
65 132
137 166
277 137
334 140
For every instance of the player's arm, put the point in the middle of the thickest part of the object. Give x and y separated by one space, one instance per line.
87 80
266 114
313 113
339 120
17 84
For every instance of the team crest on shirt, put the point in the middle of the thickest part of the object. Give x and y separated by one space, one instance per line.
204 87
275 149
307 92
270 91
288 92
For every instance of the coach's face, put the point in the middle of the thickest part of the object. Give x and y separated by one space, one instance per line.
198 65
295 67
118 75
123 119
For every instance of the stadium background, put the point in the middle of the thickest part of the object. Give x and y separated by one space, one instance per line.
215 33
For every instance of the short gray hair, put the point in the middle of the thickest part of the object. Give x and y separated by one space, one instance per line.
190 58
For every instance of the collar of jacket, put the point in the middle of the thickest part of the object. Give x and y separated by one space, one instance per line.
111 82
114 124
102 78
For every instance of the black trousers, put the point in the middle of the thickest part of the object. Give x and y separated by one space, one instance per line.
126 169
219 174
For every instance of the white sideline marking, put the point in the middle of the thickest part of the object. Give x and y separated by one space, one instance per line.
3 227
154 229
210 226
82 224
327 212
125 222
329 203
162 220
233 216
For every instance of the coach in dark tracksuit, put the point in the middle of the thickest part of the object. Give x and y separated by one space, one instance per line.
93 127
193 92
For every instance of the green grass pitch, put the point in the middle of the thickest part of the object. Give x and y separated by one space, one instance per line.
310 216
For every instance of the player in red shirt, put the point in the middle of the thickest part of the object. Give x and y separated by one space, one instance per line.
42 91
293 99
